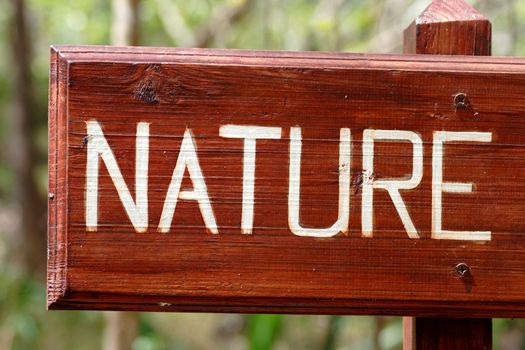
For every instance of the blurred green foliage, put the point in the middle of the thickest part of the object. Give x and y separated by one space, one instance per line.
263 330
334 25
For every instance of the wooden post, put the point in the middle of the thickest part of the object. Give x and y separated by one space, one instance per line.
448 27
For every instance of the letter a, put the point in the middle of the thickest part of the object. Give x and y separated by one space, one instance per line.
187 160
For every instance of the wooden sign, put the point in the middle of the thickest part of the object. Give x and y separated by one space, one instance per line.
240 181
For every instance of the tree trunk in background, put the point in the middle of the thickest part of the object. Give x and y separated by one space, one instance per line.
379 326
29 242
122 327
221 22
121 330
125 24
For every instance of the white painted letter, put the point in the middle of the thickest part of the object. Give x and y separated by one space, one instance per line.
438 186
341 225
98 147
187 160
250 134
392 186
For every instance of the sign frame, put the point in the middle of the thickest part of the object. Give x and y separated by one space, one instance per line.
65 273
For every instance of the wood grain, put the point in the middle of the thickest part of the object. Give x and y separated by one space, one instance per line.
273 270
449 27
459 37
57 206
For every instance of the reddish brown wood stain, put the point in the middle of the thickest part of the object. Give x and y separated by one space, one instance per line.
273 270
461 29
449 27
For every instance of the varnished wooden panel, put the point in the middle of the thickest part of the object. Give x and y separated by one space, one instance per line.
272 269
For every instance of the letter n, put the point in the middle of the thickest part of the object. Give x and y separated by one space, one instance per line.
97 148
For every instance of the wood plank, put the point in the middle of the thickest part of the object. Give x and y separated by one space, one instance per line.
57 204
274 269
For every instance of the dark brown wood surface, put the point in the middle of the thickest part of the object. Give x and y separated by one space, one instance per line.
273 270
457 334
